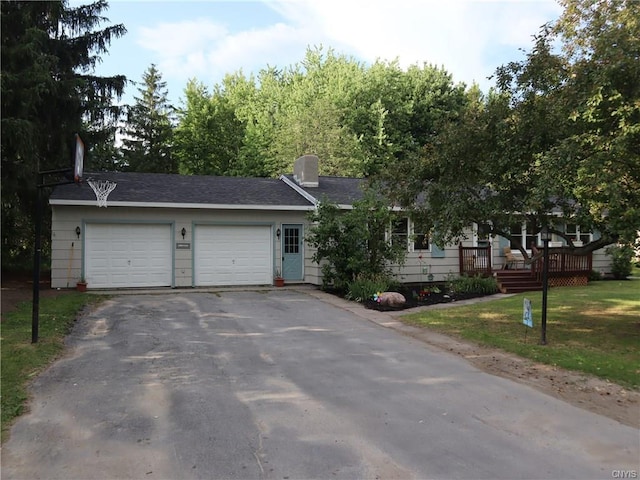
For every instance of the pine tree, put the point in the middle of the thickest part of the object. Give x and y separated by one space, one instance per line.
49 93
148 141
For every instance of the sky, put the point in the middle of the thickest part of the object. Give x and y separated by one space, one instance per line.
207 39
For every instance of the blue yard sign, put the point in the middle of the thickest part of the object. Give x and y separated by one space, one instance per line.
527 315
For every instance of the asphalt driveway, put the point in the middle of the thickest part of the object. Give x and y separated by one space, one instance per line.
279 384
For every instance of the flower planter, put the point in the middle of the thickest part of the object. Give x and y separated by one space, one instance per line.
278 282
81 286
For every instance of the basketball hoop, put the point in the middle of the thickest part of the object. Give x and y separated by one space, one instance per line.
102 189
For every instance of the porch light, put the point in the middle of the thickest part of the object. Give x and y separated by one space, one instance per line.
78 231
278 233
183 232
545 234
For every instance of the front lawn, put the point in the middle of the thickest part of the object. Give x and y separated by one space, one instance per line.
593 329
22 360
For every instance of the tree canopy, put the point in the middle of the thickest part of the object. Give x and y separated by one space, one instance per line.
354 117
209 135
560 136
49 93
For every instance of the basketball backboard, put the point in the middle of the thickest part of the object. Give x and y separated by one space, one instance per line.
78 160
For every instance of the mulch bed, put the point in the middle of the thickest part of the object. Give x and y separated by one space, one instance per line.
418 300
417 296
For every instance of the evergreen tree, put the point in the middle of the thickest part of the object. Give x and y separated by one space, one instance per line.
48 93
148 142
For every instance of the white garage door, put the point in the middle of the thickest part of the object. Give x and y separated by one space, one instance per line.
233 255
128 255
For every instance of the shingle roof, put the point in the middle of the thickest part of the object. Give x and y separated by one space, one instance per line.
340 190
183 189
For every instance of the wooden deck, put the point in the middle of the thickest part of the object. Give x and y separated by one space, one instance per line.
565 269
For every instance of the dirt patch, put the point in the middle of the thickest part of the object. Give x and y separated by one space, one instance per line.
18 288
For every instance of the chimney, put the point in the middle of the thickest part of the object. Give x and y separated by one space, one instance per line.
305 171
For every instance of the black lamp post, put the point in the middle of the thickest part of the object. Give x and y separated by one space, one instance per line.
545 235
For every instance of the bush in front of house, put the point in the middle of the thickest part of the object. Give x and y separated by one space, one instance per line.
621 260
352 243
595 276
476 284
366 286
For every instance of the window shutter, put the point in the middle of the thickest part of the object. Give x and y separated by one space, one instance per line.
502 243
436 251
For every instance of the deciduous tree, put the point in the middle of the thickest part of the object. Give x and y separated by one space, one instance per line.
560 137
209 136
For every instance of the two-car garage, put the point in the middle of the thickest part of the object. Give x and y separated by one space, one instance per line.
123 255
179 231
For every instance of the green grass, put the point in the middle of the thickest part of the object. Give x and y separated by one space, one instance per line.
593 329
22 360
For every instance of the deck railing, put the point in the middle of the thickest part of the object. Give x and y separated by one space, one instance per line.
563 264
475 260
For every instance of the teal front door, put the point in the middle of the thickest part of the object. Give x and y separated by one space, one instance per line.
292 252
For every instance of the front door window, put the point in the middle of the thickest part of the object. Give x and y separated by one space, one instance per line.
291 240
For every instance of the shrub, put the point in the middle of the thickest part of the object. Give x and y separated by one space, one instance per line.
476 284
352 243
365 286
621 256
594 276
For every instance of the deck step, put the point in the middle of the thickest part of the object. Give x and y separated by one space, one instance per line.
517 281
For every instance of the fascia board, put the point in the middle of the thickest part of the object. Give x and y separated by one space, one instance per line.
201 206
299 190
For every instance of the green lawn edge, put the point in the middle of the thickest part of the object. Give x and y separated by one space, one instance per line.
21 360
593 329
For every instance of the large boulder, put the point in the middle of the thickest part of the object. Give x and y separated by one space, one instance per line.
391 299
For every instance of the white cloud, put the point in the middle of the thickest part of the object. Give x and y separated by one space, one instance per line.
255 48
461 35
170 40
206 50
468 37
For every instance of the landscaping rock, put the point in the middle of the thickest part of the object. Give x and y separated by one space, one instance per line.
391 299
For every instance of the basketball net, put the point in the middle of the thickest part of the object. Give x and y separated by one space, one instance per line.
102 189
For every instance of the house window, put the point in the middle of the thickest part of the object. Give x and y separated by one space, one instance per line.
523 234
420 236
409 234
577 234
483 234
400 232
